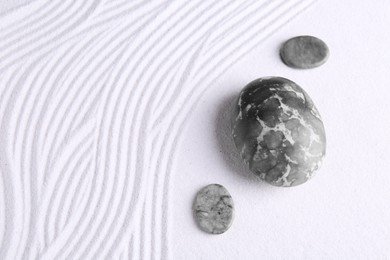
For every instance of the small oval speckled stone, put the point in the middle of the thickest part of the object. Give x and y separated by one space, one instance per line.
304 52
278 131
213 209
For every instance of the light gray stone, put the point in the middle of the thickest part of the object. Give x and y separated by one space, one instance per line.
213 209
304 52
278 131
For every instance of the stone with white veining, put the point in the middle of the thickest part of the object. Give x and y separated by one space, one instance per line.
278 131
213 209
304 52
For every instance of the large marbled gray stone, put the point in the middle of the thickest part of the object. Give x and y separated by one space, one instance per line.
213 209
304 52
278 131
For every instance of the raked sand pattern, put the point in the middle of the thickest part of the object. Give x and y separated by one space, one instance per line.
93 97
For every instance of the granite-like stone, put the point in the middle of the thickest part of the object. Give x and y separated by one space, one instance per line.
304 52
278 131
213 209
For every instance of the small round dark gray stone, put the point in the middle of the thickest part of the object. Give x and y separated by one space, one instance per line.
213 209
278 131
304 52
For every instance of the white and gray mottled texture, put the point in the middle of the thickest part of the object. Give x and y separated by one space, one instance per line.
213 209
304 52
278 131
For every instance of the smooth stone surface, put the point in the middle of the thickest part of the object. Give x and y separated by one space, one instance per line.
278 131
213 209
304 52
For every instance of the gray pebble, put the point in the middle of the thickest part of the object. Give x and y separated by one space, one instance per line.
213 209
304 52
278 131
